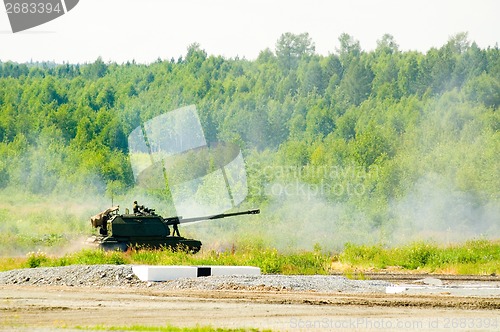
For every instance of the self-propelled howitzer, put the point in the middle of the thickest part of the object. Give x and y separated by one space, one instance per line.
146 229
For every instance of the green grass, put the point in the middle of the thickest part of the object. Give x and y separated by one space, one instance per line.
269 260
472 257
167 328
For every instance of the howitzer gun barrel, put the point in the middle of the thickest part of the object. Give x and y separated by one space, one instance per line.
173 220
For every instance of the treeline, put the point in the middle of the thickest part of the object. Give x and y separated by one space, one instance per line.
376 122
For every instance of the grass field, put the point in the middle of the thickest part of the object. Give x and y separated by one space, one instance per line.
479 257
167 328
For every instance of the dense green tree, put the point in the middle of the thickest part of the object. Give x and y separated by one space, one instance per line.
357 82
313 77
349 49
387 45
484 89
195 57
95 70
290 48
409 74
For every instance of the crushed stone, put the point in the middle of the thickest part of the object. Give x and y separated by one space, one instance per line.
122 276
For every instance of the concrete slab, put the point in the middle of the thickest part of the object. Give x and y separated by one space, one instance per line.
235 270
171 272
164 273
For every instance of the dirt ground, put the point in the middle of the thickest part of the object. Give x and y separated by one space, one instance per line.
51 308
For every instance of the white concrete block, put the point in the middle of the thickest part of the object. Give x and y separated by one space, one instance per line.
163 273
171 272
235 270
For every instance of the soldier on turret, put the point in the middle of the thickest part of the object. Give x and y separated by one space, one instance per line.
142 210
136 208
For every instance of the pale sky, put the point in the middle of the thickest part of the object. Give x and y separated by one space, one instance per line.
145 30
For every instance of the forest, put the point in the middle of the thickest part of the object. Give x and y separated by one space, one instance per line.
381 146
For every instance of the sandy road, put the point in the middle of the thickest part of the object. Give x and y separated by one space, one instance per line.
50 308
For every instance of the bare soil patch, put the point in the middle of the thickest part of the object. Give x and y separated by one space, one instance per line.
56 307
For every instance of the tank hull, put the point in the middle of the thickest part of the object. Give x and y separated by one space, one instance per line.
173 243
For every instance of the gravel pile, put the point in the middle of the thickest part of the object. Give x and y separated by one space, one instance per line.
315 283
122 276
73 275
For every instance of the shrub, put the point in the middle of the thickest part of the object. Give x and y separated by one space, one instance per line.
36 259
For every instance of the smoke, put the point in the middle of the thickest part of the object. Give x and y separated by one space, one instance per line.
441 185
46 201
50 223
303 219
300 216
297 218
434 209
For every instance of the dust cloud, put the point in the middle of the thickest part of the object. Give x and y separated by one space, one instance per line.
436 210
301 218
